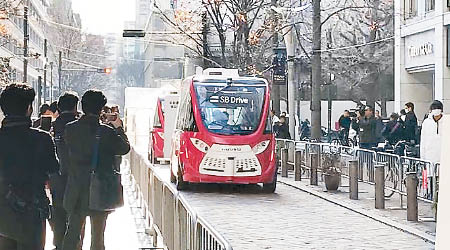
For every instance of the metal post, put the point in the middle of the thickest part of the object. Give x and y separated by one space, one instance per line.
51 82
39 91
314 166
25 42
290 46
45 70
379 187
298 165
59 72
284 159
411 196
275 95
353 174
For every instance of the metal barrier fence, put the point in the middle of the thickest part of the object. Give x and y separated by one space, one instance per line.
166 211
396 166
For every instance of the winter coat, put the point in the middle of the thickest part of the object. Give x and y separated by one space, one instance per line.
410 126
430 140
344 122
367 130
27 158
79 137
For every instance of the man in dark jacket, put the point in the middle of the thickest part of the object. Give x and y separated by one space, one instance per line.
410 122
367 129
67 104
344 125
27 158
282 129
80 138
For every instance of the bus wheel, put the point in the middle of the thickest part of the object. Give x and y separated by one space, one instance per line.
180 183
270 187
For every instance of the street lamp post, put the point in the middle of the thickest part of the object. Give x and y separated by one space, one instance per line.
330 103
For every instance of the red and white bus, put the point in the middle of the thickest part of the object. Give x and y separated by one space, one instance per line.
223 132
162 126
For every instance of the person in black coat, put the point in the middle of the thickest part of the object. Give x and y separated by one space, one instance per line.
410 122
67 104
282 129
80 138
27 158
367 129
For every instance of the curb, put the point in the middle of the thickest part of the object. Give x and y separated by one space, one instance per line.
364 212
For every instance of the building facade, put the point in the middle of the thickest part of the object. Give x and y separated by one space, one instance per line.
422 63
12 43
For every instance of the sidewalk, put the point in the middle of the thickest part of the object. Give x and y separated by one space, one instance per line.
124 227
392 215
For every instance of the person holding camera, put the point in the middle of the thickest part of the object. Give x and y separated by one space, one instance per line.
367 128
92 148
27 158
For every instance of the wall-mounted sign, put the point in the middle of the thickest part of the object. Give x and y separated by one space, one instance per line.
422 50
419 51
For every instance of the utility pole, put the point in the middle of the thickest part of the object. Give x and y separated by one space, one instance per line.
330 102
25 42
290 49
275 95
59 72
45 70
316 73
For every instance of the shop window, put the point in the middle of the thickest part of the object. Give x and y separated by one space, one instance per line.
411 8
429 5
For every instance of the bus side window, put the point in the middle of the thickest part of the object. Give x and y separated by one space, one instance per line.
157 122
186 121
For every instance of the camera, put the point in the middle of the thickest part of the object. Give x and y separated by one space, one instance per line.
361 109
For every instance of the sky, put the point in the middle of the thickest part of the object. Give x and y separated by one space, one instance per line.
104 16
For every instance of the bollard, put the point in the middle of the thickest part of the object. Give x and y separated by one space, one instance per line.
284 156
379 187
412 213
298 165
291 157
314 165
353 180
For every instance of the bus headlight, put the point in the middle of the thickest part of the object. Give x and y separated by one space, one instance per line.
200 145
261 147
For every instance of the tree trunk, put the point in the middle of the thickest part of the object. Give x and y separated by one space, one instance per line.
316 73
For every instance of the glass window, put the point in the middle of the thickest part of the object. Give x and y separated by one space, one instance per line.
410 8
157 121
429 5
234 109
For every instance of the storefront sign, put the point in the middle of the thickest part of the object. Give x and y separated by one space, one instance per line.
419 51
422 50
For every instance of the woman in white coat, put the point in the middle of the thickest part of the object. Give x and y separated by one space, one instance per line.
430 138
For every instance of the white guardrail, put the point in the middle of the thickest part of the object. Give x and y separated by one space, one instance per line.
166 210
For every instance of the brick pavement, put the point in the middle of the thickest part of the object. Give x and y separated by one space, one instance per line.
290 219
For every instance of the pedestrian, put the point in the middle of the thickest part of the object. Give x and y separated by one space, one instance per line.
274 117
393 131
282 129
367 128
67 104
344 126
379 126
85 139
54 109
44 110
430 139
410 123
27 158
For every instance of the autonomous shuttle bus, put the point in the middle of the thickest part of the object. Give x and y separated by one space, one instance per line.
162 127
223 132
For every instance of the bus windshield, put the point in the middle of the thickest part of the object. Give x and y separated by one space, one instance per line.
228 110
